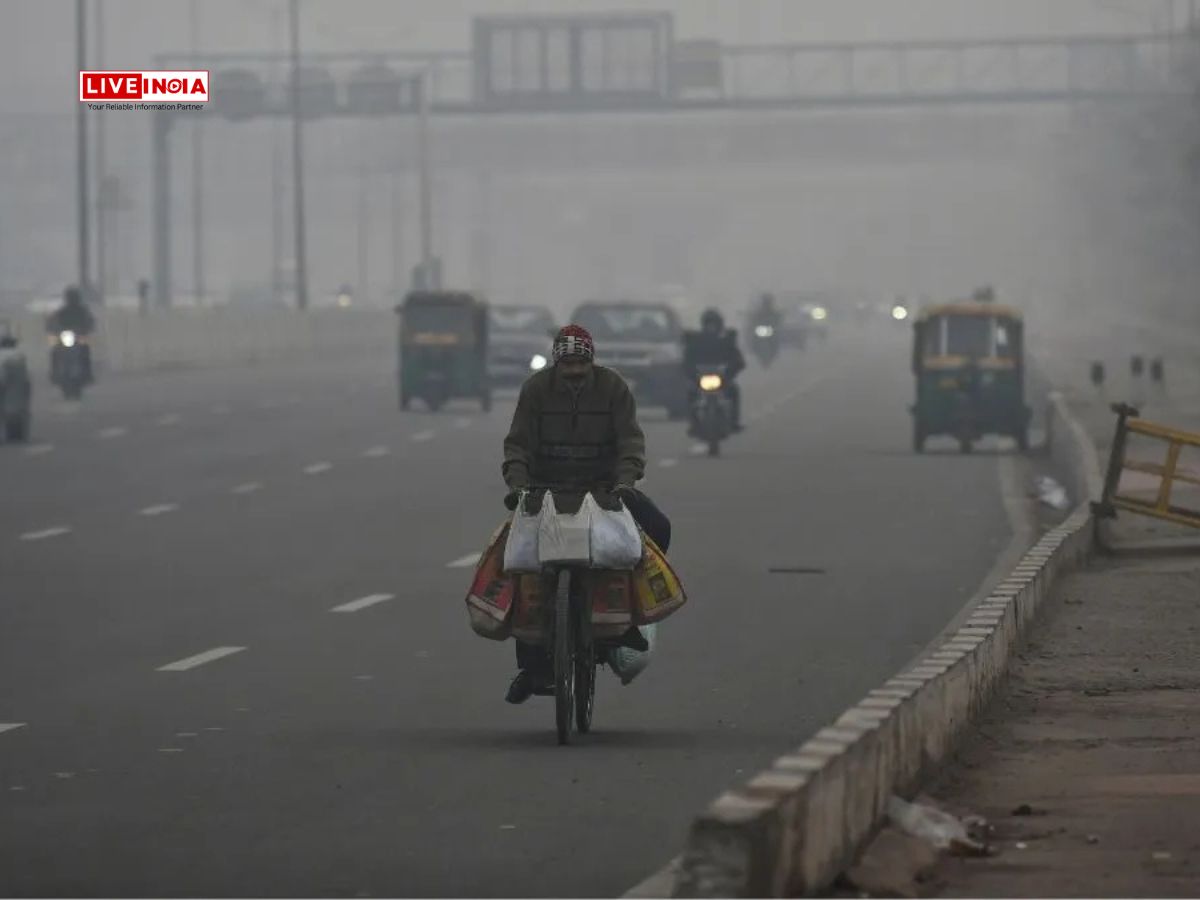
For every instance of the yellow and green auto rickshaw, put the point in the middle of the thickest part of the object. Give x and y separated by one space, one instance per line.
443 349
968 359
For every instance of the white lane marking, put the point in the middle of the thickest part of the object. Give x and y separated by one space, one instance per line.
186 734
56 531
39 449
462 423
158 509
10 726
248 488
317 468
191 662
170 419
422 436
698 449
115 431
362 603
464 562
668 463
220 410
376 452
170 749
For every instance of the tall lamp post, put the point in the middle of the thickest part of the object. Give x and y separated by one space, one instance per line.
82 156
298 163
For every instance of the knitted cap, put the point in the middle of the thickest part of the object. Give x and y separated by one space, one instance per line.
574 340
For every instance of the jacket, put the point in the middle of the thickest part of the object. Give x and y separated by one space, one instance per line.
563 438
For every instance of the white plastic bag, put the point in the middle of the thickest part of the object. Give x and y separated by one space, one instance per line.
521 548
628 663
616 540
566 538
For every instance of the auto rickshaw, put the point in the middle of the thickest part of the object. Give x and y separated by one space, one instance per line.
443 349
968 359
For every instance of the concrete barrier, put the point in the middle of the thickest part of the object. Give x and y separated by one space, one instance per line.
793 828
128 342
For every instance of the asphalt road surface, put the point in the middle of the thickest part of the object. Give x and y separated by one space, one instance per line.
195 716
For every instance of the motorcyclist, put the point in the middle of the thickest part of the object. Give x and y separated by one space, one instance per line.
766 313
74 316
575 429
715 345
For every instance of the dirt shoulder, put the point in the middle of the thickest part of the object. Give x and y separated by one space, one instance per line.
1097 731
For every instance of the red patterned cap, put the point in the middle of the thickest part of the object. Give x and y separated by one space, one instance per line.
574 340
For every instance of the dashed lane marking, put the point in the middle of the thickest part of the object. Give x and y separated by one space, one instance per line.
668 463
10 726
56 531
159 509
170 419
191 662
463 562
422 436
39 449
116 431
376 452
248 488
317 468
362 603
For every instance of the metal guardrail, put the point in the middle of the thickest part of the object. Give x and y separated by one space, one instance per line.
1169 472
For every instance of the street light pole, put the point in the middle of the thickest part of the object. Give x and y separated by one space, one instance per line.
197 174
277 222
426 182
298 163
82 154
102 193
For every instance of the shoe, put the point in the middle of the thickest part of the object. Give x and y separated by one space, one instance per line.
522 688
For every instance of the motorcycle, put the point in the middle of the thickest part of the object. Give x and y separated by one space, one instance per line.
69 363
764 344
711 411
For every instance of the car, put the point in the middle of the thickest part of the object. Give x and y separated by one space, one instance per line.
16 387
644 343
518 343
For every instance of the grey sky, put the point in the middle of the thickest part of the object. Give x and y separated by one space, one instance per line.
39 34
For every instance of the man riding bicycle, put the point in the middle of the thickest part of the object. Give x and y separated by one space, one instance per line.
575 430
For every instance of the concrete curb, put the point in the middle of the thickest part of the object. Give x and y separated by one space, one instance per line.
794 827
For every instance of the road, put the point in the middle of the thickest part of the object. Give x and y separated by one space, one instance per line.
215 520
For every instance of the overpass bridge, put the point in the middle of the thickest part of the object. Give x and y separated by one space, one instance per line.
515 100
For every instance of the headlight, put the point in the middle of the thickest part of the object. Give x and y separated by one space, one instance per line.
710 382
538 362
764 331
67 339
820 313
899 313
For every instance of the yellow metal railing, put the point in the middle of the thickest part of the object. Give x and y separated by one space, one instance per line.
1168 472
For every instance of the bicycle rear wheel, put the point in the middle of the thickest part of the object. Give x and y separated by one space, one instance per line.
564 658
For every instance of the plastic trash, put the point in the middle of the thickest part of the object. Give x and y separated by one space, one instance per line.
566 538
1051 493
934 826
628 663
616 539
521 548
